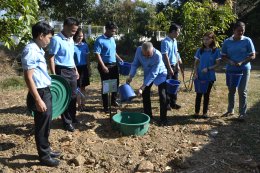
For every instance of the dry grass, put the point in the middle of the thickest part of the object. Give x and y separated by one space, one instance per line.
186 145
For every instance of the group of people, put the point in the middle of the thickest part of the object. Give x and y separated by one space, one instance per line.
68 56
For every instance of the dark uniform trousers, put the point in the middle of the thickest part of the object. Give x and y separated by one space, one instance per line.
173 97
205 101
162 98
69 74
42 121
112 74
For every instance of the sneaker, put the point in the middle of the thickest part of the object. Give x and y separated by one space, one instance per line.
228 114
176 106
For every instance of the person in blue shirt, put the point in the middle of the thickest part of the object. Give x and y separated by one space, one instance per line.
169 50
61 54
207 58
150 59
81 52
39 98
237 52
105 52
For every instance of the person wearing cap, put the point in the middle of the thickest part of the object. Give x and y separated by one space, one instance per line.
39 98
150 59
171 58
61 54
105 52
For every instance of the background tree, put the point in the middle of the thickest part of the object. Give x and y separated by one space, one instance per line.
16 19
59 10
201 17
197 17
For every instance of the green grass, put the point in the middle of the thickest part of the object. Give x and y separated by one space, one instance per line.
12 83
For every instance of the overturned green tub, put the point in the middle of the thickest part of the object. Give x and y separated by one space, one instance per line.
131 123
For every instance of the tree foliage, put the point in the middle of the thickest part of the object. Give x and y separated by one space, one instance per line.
59 10
199 18
16 20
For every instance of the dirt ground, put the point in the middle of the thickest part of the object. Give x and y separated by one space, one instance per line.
187 145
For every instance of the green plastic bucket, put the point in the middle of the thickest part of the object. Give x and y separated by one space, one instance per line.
131 123
61 95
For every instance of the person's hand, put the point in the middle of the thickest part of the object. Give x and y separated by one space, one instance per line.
77 74
178 67
195 76
239 63
204 70
128 80
232 62
140 92
40 106
171 72
105 69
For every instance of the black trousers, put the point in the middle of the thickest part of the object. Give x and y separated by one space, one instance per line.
205 101
162 98
172 98
42 121
69 74
113 74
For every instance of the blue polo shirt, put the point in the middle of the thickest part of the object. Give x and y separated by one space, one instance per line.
206 59
33 58
238 50
154 68
169 46
63 50
106 48
80 53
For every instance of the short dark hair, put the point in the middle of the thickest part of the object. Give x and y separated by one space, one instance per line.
111 25
41 28
239 24
69 21
174 27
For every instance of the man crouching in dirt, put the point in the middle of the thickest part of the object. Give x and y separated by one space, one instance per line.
39 99
154 72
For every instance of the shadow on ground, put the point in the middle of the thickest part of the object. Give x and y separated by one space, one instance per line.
232 148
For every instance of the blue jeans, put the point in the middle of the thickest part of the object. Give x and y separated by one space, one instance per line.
242 92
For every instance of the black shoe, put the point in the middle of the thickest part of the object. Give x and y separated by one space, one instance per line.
106 110
83 109
75 121
49 162
228 114
195 116
55 154
115 103
69 127
169 108
175 106
163 123
205 116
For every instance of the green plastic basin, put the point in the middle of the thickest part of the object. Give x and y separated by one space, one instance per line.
61 94
131 123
